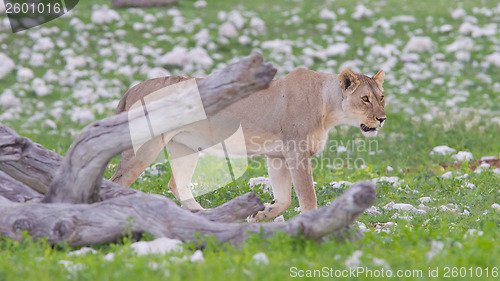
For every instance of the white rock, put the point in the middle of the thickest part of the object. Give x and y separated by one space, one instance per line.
361 12
258 26
487 158
236 19
51 124
149 18
482 167
463 156
436 248
202 37
469 185
458 13
394 180
8 99
373 211
101 16
263 183
261 258
337 49
419 44
39 87
7 65
222 16
340 184
82 115
160 246
36 59
327 15
409 57
228 30
447 175
403 18
465 213
200 56
473 232
24 74
75 62
425 199
244 40
278 45
72 267
389 169
137 26
492 59
178 56
400 207
462 56
279 219
442 150
157 72
43 44
341 149
354 260
109 257
82 251
200 4
446 28
173 12
461 44
362 226
197 257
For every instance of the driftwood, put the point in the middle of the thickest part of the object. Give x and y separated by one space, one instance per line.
22 173
141 3
72 182
84 224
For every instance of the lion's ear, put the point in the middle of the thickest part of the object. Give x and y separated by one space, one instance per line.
348 81
379 79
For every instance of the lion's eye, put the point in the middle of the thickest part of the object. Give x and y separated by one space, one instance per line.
365 99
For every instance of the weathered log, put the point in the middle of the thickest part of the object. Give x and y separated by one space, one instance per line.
35 166
79 177
141 3
84 224
24 173
16 191
25 161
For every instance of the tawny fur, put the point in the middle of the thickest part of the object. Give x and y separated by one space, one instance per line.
298 109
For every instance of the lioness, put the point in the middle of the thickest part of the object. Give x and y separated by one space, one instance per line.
294 115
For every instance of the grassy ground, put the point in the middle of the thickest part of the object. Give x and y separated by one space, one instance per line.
422 114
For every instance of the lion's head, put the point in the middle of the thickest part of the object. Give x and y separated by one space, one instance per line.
363 100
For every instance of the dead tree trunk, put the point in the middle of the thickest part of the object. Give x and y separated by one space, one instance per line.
84 224
78 180
21 173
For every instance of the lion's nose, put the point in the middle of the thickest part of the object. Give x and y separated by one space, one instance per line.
382 119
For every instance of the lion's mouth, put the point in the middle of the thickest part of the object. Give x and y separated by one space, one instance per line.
365 128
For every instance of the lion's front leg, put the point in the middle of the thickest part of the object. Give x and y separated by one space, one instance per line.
300 168
281 183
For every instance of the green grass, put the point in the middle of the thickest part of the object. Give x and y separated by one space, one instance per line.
418 120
